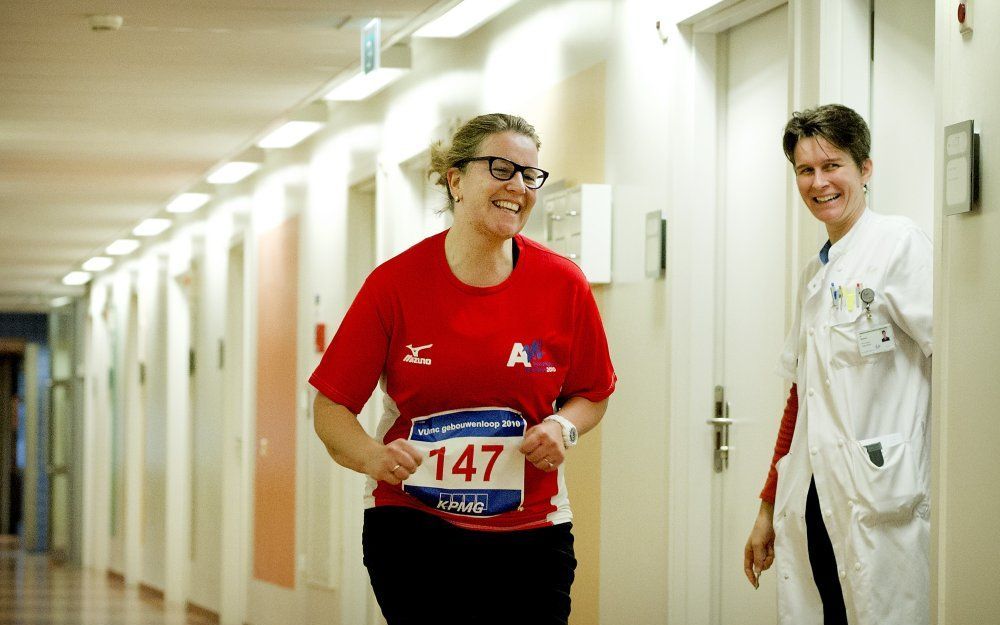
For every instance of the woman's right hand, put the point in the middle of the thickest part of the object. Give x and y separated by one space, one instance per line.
758 555
393 463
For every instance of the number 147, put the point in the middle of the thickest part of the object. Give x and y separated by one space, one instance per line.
466 465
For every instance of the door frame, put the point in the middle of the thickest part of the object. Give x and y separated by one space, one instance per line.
820 58
237 434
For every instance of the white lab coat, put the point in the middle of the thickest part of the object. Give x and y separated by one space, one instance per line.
878 518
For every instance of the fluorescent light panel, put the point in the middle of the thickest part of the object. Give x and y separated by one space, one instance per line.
361 85
121 247
151 227
463 18
289 134
76 278
187 202
97 263
233 172
60 301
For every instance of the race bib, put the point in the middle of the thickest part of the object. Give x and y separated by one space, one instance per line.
471 465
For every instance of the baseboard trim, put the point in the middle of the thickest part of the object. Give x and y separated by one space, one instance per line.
203 613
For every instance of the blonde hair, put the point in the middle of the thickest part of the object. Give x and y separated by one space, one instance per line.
466 141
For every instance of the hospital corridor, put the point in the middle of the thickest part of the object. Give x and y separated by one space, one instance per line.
345 312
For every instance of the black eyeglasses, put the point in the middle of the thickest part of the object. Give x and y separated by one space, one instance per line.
502 169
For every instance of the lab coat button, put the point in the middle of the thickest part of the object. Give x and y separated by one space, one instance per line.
813 451
840 442
827 514
811 392
857 566
828 381
843 573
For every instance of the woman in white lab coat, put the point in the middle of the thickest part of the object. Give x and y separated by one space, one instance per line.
847 525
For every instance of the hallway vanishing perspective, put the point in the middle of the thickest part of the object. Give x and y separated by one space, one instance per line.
193 194
32 590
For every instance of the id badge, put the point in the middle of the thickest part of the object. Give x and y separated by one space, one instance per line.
472 464
876 340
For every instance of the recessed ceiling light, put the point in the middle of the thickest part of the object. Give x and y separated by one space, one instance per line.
97 263
60 301
360 86
463 18
76 278
289 134
121 247
187 202
298 127
393 64
151 227
232 172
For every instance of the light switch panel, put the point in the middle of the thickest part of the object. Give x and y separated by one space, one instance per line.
961 168
655 245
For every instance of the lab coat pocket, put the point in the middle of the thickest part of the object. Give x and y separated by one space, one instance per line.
886 480
844 330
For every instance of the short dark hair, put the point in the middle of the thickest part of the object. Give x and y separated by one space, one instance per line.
838 124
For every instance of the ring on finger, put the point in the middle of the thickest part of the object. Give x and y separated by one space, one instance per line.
393 470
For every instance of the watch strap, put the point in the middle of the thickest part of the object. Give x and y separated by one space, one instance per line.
569 431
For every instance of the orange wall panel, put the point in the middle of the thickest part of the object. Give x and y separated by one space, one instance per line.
274 471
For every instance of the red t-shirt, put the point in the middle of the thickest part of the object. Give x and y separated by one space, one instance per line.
466 370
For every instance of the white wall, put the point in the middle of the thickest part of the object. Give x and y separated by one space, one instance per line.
902 111
207 415
153 355
634 464
966 432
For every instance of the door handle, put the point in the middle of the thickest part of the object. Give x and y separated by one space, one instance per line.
721 423
721 443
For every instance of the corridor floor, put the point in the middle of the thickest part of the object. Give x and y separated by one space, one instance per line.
35 592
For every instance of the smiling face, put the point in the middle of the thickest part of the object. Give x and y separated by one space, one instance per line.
494 208
831 184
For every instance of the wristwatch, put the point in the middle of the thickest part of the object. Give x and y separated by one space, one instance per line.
569 432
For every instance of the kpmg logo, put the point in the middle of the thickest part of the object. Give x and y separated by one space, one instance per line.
463 503
414 355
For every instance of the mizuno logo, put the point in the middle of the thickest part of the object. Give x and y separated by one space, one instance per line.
416 350
414 355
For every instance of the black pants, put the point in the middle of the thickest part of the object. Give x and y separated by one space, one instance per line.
823 562
426 570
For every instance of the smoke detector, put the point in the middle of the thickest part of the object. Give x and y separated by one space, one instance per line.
105 22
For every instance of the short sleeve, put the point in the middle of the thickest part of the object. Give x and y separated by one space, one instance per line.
353 363
591 374
909 288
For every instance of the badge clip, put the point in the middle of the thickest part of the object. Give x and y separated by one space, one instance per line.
868 296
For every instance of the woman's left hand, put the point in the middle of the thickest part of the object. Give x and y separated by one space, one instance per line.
543 446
